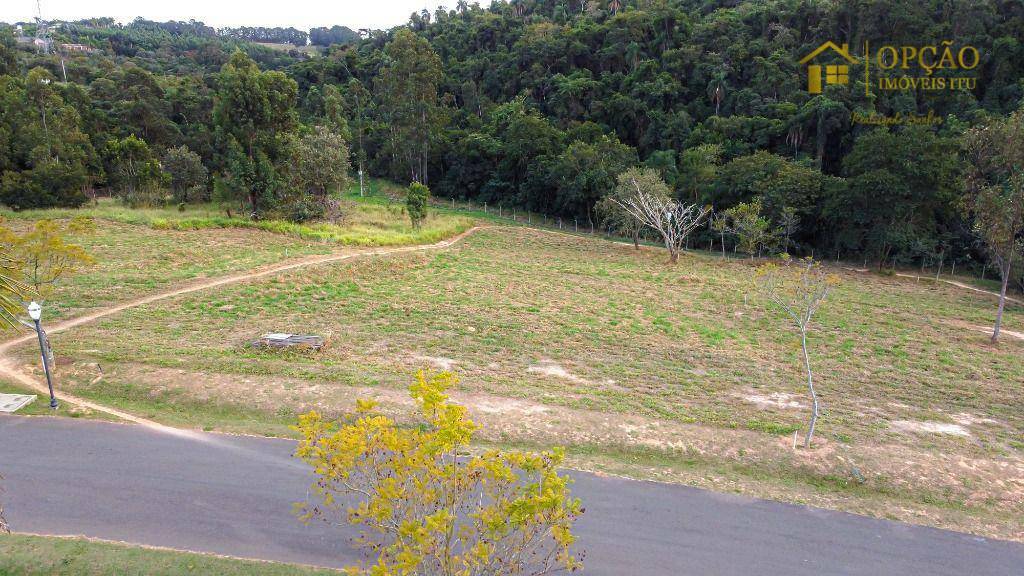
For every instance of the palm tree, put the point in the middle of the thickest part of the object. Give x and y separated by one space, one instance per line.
716 88
633 53
615 6
795 137
519 9
826 116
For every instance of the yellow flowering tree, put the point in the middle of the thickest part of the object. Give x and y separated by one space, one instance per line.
424 506
43 255
11 291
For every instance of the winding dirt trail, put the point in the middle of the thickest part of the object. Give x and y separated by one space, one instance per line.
9 368
962 285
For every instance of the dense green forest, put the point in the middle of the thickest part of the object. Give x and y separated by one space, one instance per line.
536 104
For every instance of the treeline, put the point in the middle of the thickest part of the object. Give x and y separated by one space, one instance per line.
334 35
175 47
262 34
541 105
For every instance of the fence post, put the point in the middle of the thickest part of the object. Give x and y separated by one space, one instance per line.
576 225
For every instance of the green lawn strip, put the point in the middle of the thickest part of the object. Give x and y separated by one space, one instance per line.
41 405
140 251
24 555
375 220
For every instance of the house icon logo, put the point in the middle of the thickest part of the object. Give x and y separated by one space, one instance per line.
834 74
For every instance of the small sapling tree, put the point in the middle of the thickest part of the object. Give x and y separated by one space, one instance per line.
995 187
789 221
416 201
753 231
797 288
720 224
648 204
425 507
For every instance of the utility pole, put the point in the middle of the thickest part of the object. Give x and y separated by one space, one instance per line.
41 32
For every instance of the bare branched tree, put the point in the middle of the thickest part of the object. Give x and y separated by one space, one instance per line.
671 219
798 288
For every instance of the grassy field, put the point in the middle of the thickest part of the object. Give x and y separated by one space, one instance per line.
22 555
672 373
202 242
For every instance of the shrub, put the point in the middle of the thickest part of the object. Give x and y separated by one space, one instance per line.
306 208
416 203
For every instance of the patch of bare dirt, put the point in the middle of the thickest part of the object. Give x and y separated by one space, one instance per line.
439 362
1002 332
553 369
926 427
1014 335
783 400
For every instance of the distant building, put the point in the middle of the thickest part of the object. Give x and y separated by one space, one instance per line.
77 48
39 43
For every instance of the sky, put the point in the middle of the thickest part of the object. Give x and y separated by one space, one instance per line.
301 14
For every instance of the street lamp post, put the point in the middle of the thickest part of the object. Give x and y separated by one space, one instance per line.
35 311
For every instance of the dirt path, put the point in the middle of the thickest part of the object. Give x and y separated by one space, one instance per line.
961 285
10 370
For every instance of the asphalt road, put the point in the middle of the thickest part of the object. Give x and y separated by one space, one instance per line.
234 495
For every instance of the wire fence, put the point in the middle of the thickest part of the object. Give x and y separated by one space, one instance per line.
709 243
529 218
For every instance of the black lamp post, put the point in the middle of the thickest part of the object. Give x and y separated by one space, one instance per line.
35 311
